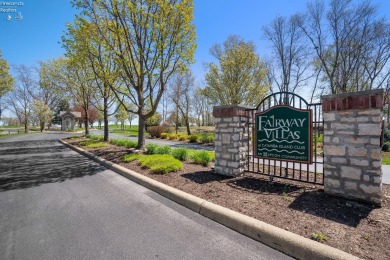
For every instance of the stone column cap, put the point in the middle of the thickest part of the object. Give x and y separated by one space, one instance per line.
230 110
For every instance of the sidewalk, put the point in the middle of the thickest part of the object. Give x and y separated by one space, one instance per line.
385 174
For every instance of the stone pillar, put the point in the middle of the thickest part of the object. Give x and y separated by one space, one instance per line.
231 139
352 145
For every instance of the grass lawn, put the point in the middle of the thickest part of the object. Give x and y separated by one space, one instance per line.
133 130
386 158
11 127
129 131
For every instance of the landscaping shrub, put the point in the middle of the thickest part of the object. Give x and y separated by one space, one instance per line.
166 128
155 131
180 154
201 157
164 136
151 148
131 157
386 137
206 138
123 142
165 149
386 147
160 163
172 136
183 137
193 138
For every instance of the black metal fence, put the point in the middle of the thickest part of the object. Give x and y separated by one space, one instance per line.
311 173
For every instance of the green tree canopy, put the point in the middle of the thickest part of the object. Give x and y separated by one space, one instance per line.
42 112
150 40
239 78
6 80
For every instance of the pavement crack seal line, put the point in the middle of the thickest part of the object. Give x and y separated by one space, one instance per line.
282 240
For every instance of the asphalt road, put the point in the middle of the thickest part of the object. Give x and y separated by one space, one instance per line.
56 204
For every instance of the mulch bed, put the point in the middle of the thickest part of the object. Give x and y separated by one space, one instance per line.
304 209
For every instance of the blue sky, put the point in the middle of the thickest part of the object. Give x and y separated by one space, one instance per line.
37 36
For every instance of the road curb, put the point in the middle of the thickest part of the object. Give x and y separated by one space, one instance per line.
277 238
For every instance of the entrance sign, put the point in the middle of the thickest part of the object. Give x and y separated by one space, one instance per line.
284 133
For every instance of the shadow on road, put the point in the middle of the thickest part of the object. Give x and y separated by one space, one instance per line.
39 162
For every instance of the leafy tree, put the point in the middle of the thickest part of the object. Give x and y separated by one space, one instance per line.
150 41
93 115
52 85
121 115
153 120
42 112
181 95
6 80
82 41
240 77
80 85
63 105
131 116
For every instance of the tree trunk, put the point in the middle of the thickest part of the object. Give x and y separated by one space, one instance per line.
188 126
141 132
86 122
42 126
105 115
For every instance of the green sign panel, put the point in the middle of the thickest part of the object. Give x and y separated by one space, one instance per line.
284 133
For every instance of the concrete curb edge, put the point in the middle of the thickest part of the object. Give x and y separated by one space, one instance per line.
284 241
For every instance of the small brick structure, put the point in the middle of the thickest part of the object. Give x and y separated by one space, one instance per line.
352 145
231 139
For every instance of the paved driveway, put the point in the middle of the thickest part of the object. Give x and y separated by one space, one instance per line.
56 204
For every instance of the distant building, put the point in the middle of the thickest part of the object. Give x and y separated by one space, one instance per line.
69 120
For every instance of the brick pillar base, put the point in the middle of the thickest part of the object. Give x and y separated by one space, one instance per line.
352 146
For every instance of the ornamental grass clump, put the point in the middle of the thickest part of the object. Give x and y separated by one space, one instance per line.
165 149
164 136
207 138
201 157
151 148
160 163
180 154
